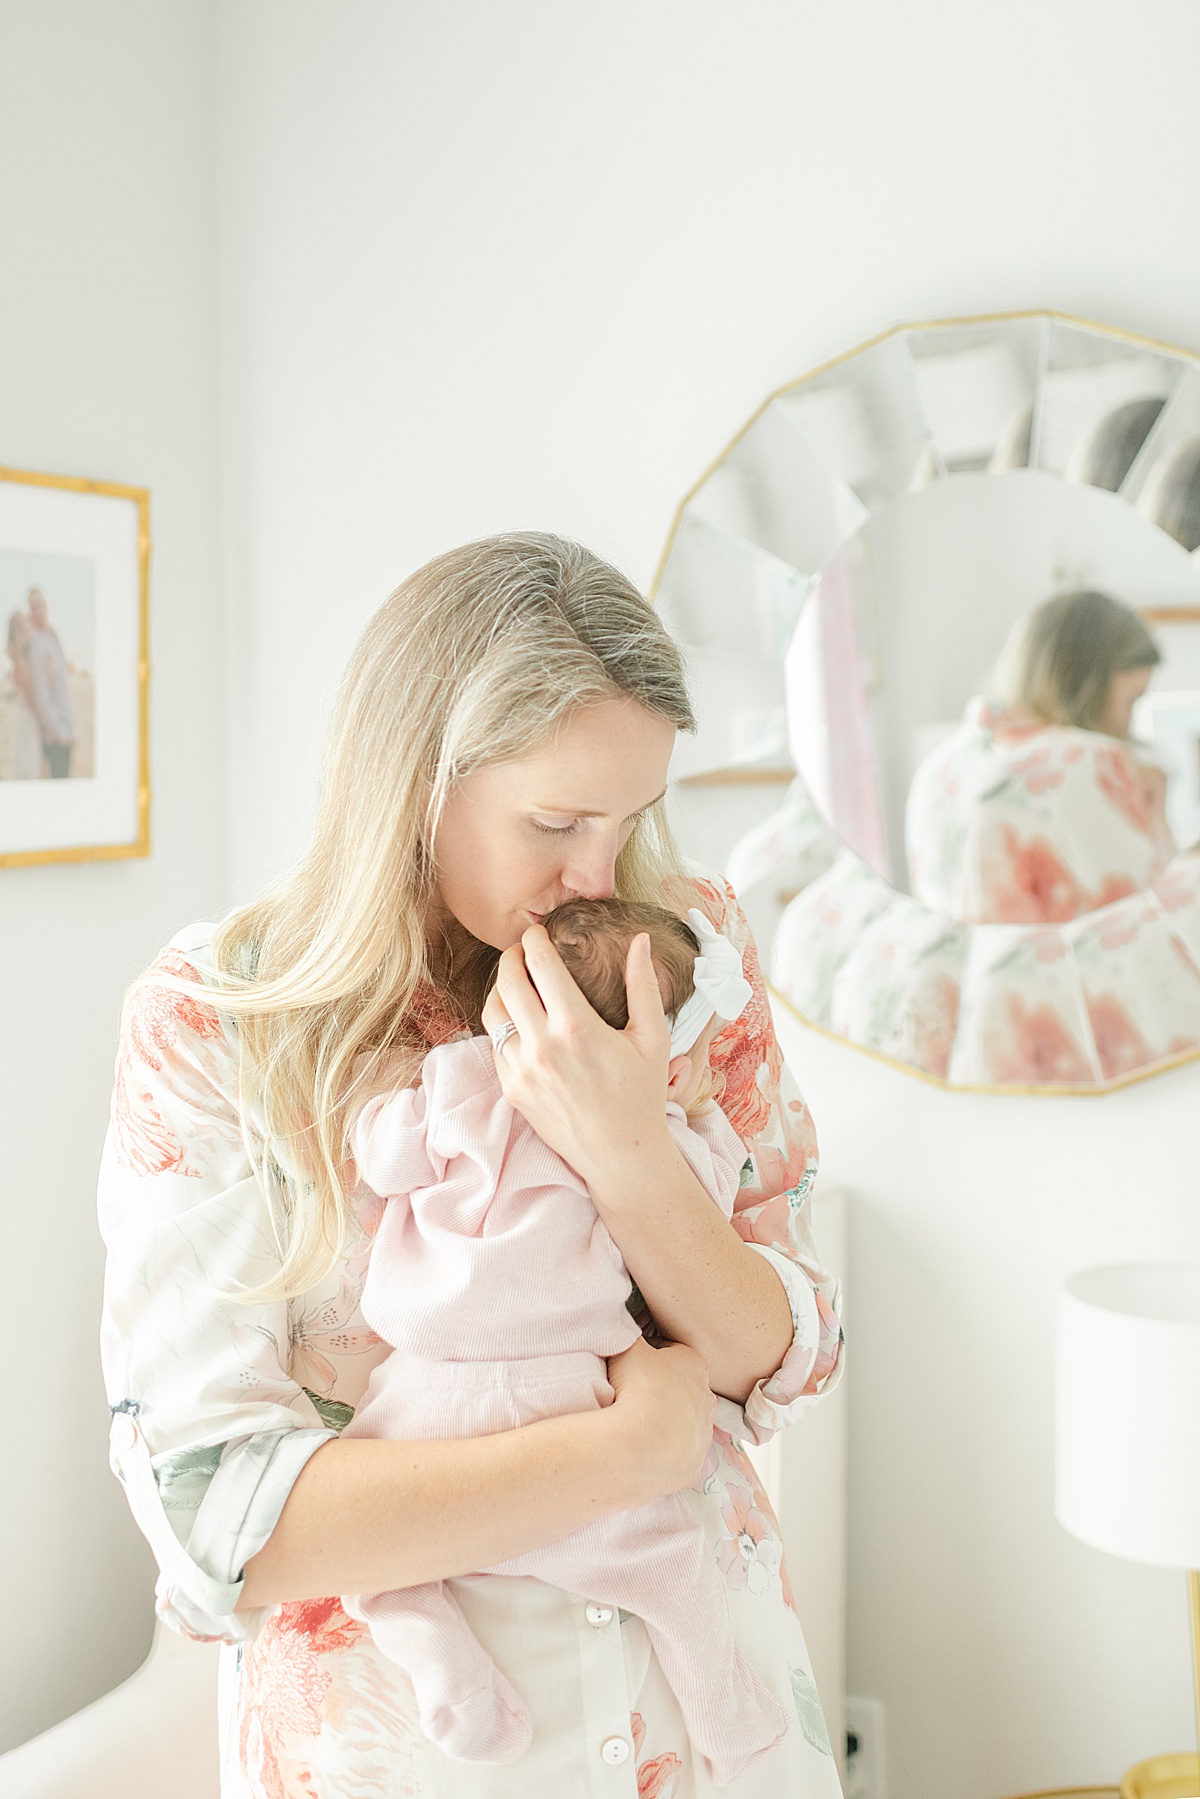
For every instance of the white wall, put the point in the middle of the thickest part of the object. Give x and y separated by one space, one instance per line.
531 264
1008 1656
107 368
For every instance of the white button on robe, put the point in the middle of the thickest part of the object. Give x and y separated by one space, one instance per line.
599 1615
615 1750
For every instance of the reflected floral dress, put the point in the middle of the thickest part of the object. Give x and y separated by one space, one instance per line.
218 1405
1014 822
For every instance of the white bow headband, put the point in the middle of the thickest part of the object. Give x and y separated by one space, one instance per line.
721 987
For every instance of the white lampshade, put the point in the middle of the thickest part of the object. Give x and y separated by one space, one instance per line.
1128 1433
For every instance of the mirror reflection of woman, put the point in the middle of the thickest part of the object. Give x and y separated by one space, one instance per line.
1039 807
25 754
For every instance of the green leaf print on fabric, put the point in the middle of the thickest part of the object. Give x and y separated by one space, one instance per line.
808 1710
183 1478
801 1193
334 1414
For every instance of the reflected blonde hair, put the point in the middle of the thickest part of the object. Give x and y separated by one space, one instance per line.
1061 657
477 658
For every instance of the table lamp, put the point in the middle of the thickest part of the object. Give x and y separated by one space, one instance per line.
1128 1442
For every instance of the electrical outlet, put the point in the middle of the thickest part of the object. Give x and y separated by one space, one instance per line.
866 1757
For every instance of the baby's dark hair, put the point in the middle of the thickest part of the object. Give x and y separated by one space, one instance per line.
593 938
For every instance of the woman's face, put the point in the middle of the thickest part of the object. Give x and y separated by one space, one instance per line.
1126 687
517 838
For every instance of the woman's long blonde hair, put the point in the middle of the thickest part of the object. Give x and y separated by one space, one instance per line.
1061 657
475 659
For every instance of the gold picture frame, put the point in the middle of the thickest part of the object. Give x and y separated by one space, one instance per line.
137 753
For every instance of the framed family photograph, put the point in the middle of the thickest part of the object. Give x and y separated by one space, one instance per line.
74 672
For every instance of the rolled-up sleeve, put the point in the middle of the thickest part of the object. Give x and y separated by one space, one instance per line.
209 1429
773 1209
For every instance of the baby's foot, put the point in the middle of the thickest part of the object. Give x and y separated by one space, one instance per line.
751 1728
491 1724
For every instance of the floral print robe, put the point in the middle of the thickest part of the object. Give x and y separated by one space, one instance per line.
1017 823
1098 999
217 1405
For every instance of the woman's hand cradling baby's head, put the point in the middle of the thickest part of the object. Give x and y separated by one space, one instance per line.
590 1092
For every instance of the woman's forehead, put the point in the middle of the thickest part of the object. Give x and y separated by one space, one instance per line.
607 760
594 792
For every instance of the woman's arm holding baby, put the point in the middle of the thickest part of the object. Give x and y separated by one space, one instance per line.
599 1097
366 1515
704 1286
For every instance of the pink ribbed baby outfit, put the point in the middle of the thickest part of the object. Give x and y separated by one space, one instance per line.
502 1293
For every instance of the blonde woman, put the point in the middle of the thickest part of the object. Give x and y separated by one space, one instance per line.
500 743
1037 808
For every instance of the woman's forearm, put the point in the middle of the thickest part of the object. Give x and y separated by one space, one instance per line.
365 1516
705 1287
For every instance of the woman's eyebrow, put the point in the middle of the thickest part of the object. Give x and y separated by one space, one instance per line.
582 811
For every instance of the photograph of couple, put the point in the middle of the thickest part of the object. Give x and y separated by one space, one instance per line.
47 705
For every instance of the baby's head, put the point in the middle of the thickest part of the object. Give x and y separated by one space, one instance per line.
593 939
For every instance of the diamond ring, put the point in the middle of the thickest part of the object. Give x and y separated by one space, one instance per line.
502 1033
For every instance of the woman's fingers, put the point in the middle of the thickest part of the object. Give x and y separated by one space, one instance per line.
495 1012
644 996
518 995
551 976
665 1396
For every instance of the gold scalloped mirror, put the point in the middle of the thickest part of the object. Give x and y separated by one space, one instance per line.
988 896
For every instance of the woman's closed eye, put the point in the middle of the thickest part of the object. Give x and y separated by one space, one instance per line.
564 824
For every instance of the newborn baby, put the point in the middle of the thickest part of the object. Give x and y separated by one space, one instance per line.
502 1293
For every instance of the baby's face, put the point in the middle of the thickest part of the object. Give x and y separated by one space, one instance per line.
691 1074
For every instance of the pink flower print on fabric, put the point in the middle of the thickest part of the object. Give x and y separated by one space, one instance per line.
368 1215
782 1170
327 1331
283 1692
745 1051
1120 1045
736 1457
769 1222
153 1022
1118 781
1180 883
1035 1046
1031 884
709 1477
827 1353
659 1776
750 1554
1043 780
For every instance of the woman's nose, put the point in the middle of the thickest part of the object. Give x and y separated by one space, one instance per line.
591 872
